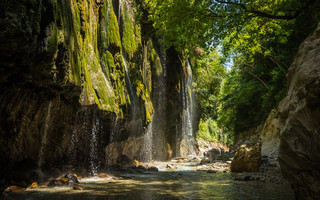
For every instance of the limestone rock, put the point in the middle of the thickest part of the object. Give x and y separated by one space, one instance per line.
299 153
270 136
248 156
270 141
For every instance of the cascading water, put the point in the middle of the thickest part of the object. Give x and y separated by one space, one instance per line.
112 139
127 77
128 80
44 138
119 12
155 144
187 138
148 143
160 105
94 145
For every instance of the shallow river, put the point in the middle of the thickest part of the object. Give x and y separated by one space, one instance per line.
185 183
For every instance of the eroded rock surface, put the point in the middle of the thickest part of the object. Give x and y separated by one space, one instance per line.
247 157
299 152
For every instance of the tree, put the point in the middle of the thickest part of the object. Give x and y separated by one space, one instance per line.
260 39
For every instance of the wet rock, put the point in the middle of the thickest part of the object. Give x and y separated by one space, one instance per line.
196 159
13 188
153 168
77 187
299 152
205 160
211 171
103 175
69 179
214 153
137 163
64 180
170 166
33 185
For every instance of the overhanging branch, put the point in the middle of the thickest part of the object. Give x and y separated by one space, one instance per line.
293 15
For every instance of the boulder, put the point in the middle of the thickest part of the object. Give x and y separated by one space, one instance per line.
248 156
299 152
214 153
153 168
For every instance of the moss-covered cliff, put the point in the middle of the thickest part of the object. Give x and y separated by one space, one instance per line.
80 82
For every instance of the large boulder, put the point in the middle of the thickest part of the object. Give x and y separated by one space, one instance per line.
299 152
248 156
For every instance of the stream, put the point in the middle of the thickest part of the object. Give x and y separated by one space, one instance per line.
180 181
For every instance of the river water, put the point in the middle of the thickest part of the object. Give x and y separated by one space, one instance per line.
182 183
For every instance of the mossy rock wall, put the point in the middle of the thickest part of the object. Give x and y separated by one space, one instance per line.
71 55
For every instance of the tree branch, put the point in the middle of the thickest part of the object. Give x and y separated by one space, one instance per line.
268 15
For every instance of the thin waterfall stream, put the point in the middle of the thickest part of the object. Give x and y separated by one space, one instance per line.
94 145
45 135
188 109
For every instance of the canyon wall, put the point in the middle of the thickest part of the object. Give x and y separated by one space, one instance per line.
300 121
81 84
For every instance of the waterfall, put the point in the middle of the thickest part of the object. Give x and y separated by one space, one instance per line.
113 137
187 138
94 145
155 143
44 138
127 77
148 143
131 93
119 12
160 106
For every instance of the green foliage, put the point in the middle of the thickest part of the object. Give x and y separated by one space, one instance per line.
208 76
259 38
209 131
241 25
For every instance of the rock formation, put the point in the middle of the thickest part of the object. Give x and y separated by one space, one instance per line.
248 152
258 148
299 152
270 140
80 82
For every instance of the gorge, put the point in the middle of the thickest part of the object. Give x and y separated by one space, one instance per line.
86 84
89 86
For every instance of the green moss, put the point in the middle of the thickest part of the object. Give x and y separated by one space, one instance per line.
53 39
111 32
131 34
157 65
148 116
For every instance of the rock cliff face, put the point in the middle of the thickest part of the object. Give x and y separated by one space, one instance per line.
270 140
299 152
257 148
80 82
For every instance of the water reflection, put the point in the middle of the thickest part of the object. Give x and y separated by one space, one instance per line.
163 185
